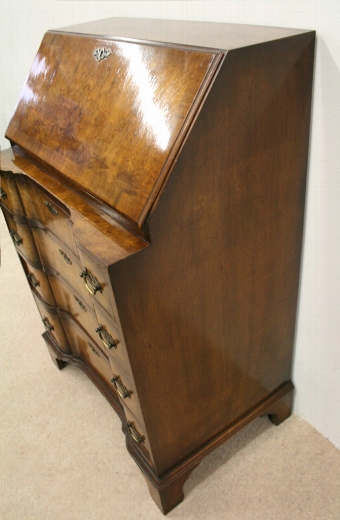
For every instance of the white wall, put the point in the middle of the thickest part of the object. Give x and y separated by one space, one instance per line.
317 358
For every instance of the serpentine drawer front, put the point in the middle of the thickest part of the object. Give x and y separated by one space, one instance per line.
45 212
154 191
52 322
39 281
9 195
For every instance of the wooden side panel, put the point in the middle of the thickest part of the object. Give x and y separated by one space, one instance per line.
208 311
81 116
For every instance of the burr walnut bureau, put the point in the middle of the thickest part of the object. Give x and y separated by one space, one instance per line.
154 190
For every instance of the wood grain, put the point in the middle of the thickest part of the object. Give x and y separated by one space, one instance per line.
212 317
80 116
195 240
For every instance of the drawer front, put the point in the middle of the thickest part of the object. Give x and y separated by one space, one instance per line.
117 351
69 300
138 435
52 322
126 390
83 345
45 209
22 237
39 282
57 255
97 283
9 194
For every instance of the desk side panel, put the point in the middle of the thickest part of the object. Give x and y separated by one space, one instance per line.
208 311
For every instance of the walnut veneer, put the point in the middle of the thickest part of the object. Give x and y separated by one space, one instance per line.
154 190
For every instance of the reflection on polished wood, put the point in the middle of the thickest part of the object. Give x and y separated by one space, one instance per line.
159 193
94 111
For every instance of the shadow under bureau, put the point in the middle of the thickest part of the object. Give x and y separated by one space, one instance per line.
154 191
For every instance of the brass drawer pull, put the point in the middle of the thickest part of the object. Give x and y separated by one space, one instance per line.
48 325
106 338
91 282
80 303
32 279
65 257
137 437
121 389
51 208
16 237
3 194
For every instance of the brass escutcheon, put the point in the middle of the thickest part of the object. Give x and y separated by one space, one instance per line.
93 349
32 279
16 237
80 303
51 208
65 257
101 53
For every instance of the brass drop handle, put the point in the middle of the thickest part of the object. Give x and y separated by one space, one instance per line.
16 237
3 194
32 279
91 282
48 325
121 389
51 208
137 437
106 338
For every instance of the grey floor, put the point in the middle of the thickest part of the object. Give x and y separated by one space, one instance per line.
63 456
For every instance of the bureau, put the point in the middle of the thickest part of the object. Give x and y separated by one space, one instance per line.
154 190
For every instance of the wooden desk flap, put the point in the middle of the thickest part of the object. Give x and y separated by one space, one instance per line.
110 115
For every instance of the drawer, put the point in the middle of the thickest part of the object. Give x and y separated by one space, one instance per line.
9 194
57 255
69 300
21 236
39 282
52 322
125 389
97 283
43 208
137 434
109 334
83 345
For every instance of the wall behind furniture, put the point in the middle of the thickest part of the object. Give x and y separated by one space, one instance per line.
317 354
